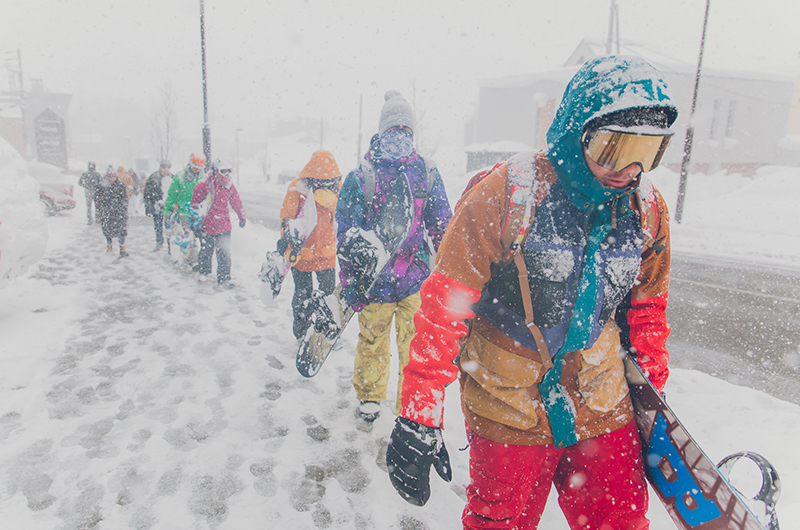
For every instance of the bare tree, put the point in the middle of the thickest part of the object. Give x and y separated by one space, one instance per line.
420 112
264 162
164 121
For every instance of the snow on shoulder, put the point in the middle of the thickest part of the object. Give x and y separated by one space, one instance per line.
23 234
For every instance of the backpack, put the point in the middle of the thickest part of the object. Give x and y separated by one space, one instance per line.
517 224
518 219
368 171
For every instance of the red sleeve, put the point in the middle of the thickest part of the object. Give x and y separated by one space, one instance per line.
440 322
199 193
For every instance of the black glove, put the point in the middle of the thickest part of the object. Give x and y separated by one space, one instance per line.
360 254
412 449
242 222
282 245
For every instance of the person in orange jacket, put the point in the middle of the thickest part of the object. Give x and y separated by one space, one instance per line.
320 180
126 179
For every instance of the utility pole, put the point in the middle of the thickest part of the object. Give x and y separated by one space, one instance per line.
238 130
360 110
130 157
687 144
23 106
206 127
613 29
18 98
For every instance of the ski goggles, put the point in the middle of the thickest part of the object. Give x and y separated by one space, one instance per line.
615 148
322 183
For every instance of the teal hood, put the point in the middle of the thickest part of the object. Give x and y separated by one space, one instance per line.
602 86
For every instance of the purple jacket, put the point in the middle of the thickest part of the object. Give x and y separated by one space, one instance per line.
405 274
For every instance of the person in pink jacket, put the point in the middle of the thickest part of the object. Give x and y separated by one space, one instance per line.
216 229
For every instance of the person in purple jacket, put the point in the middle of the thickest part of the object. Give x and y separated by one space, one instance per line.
396 293
216 230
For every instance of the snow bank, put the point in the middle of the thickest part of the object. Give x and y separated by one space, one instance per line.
23 234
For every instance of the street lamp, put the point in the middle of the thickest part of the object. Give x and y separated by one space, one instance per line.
238 130
206 127
128 141
687 144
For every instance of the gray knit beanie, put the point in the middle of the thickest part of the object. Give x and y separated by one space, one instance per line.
396 111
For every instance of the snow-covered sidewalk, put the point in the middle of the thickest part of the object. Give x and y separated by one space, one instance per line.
133 397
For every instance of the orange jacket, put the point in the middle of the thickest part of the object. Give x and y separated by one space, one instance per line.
319 251
125 177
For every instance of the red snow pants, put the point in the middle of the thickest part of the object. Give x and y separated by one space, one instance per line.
600 483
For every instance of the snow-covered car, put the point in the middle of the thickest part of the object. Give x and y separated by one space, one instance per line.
56 189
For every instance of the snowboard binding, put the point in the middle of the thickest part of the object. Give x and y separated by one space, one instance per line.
323 318
770 490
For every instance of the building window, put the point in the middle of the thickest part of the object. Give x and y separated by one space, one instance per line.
712 130
731 116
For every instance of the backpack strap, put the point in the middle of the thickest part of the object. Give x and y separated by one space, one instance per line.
368 172
430 171
518 216
518 223
645 203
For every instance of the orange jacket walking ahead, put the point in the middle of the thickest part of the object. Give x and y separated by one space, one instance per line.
319 251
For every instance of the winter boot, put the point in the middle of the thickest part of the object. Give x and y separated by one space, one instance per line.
108 248
368 410
159 246
122 252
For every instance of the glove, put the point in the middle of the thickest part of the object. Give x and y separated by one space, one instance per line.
282 245
361 255
412 449
242 222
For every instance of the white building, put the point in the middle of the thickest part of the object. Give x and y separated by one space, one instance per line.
742 119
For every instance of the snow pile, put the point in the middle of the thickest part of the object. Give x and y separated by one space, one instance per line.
23 234
751 219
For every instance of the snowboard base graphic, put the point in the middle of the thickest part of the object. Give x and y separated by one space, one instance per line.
333 313
693 490
317 345
296 231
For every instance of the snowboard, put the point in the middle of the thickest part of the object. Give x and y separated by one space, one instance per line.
696 494
332 313
277 264
181 238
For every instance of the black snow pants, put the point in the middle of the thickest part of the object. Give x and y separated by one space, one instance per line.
303 287
222 244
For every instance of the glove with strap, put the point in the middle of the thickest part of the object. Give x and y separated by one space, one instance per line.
242 223
413 448
358 260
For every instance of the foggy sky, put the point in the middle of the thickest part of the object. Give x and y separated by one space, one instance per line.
273 60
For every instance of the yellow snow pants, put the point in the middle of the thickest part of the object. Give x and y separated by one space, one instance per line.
371 372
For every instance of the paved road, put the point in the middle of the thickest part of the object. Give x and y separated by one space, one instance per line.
737 321
263 208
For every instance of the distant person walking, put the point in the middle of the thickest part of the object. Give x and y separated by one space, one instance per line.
395 294
89 181
153 196
112 209
179 204
319 182
215 234
126 179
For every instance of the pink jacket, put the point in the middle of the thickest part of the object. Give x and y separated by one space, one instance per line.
217 219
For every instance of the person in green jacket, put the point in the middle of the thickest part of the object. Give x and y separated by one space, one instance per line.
178 205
